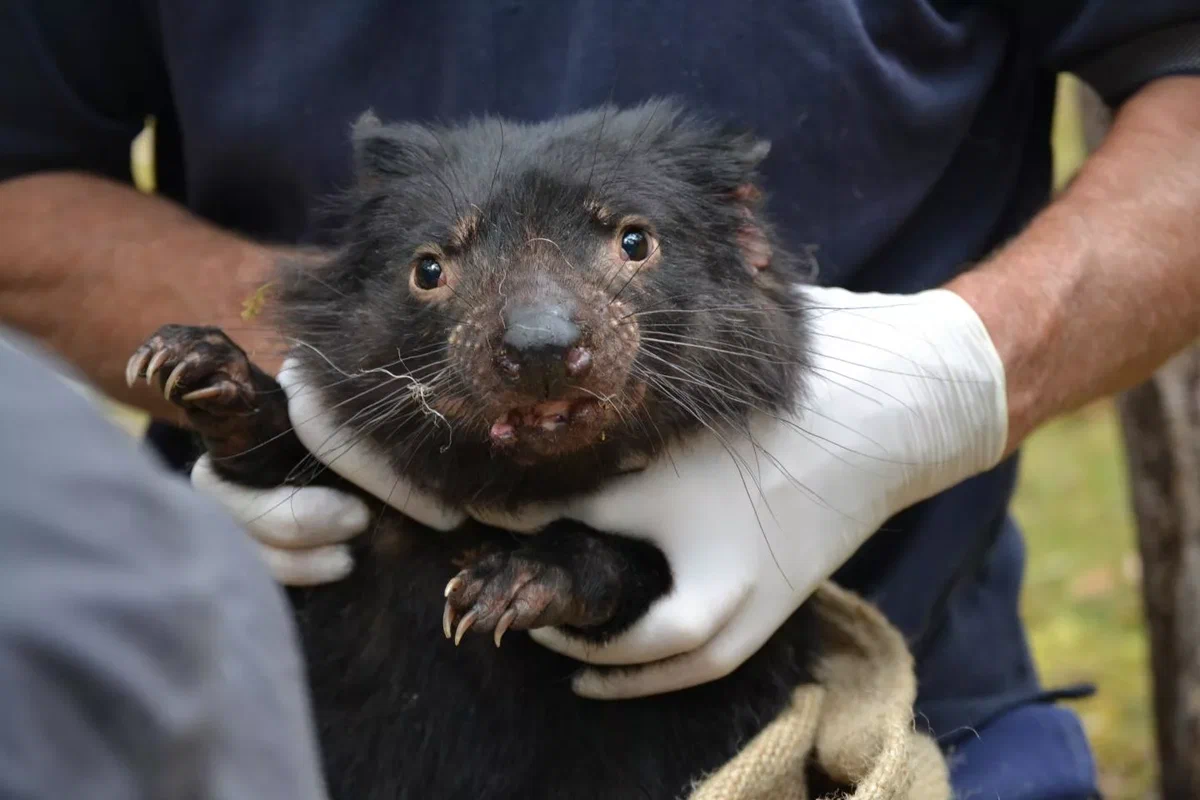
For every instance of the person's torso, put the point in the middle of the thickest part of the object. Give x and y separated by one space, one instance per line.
907 142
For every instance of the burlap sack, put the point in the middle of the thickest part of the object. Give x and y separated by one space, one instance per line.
856 721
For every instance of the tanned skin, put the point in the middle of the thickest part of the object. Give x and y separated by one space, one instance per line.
91 266
1104 285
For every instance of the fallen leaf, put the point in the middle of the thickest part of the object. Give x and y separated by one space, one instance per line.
252 306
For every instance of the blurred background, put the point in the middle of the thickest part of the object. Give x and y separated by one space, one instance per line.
1081 600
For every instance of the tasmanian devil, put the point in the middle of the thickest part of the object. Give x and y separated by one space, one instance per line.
515 312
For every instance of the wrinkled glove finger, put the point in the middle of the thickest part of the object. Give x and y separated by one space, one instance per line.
286 516
671 675
311 567
679 623
355 458
716 658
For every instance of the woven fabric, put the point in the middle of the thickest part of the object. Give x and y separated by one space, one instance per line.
855 721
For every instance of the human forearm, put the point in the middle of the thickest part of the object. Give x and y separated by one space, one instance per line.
92 267
1104 285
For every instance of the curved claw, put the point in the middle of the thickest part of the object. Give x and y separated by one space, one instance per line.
464 626
173 379
159 358
452 586
135 365
503 625
202 394
447 620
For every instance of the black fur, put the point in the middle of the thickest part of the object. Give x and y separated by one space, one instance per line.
677 171
402 712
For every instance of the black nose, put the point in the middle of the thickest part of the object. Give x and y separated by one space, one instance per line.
541 347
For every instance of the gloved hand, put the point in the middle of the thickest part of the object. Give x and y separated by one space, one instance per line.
906 398
301 531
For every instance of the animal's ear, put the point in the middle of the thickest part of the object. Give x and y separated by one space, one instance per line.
752 235
391 151
742 153
745 148
749 151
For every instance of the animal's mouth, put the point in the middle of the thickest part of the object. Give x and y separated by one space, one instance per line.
546 421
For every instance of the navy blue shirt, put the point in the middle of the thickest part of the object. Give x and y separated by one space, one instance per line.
910 137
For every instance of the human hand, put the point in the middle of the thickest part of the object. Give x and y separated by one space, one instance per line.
301 531
906 398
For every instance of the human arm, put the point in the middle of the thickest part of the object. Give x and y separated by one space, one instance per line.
88 264
1104 285
1099 290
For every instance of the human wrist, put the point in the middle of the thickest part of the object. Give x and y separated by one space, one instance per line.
1026 307
255 325
1015 356
938 385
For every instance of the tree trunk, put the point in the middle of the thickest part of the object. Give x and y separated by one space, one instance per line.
1160 421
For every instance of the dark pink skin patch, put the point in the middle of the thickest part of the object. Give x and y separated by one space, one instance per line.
754 244
503 432
579 361
542 418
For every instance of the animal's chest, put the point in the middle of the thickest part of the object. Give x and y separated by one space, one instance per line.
404 713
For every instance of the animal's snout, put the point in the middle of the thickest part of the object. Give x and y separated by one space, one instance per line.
541 350
541 330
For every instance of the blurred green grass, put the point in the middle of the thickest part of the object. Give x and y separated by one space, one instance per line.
1082 600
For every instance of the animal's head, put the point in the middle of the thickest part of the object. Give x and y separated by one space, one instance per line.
571 292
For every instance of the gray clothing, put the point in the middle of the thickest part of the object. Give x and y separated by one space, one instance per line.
145 652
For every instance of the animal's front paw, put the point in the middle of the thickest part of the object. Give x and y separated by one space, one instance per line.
197 368
513 590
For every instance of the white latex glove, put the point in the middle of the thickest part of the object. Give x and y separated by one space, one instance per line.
301 531
906 399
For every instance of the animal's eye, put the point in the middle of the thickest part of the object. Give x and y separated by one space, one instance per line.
428 274
635 244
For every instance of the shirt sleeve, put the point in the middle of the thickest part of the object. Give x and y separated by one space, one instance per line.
1116 47
145 651
77 80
